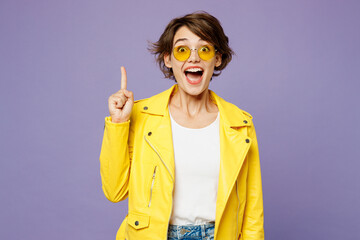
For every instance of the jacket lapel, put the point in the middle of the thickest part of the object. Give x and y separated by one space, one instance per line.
161 138
162 143
234 145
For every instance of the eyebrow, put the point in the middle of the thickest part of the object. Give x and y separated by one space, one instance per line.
180 39
185 39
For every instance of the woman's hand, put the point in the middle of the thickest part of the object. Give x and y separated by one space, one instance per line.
121 103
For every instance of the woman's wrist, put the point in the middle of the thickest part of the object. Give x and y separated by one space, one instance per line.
118 120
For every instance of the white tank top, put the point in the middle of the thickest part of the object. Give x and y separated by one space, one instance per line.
197 163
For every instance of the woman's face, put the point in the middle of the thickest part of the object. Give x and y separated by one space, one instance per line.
193 74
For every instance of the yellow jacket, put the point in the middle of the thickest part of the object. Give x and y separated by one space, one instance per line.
137 161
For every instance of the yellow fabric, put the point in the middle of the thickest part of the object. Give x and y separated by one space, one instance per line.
132 150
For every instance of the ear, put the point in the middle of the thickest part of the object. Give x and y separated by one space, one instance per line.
218 57
167 60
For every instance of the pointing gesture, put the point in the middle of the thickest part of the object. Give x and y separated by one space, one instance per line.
123 78
121 102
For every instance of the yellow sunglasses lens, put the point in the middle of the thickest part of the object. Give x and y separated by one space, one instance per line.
206 52
182 53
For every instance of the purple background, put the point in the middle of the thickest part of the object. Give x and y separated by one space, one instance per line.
296 70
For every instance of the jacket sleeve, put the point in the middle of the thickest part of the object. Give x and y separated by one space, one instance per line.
115 160
253 223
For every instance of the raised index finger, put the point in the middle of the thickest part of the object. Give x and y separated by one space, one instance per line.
123 78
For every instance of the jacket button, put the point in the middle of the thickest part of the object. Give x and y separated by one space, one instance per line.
136 223
247 140
149 133
245 121
145 108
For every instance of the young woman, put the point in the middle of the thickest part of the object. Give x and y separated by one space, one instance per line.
186 159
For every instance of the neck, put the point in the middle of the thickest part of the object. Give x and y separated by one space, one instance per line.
192 105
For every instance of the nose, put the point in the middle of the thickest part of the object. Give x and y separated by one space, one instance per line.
194 56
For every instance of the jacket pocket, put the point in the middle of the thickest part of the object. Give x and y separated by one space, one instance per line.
152 186
138 221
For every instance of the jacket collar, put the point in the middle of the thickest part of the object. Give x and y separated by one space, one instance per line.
231 114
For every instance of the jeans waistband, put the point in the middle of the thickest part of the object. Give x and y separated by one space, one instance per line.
180 231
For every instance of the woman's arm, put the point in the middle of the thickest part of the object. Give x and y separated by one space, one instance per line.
115 157
115 160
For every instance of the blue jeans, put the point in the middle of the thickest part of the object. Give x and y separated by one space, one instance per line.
191 232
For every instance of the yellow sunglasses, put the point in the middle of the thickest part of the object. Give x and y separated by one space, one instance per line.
182 53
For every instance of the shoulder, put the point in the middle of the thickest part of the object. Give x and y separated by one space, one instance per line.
247 114
140 102
139 105
234 115
231 106
156 104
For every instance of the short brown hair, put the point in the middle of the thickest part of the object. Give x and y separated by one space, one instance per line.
204 25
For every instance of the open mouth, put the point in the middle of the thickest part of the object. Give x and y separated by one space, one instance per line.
194 74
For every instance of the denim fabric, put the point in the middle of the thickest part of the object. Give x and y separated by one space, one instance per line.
191 232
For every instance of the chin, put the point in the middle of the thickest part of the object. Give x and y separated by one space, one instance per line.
194 89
